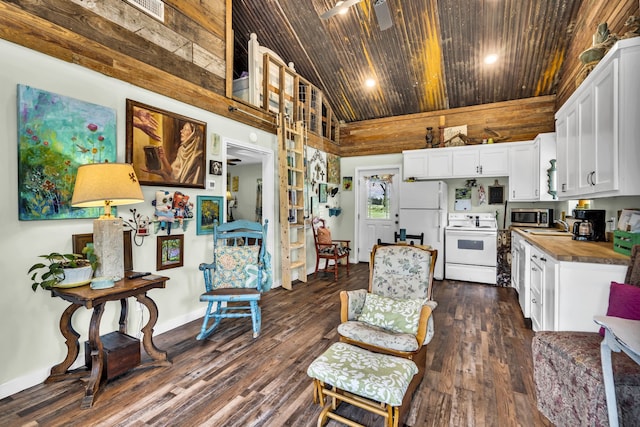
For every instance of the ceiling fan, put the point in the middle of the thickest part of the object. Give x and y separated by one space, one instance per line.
233 162
380 6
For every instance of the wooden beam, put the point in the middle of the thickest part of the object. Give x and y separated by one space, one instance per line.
31 31
519 120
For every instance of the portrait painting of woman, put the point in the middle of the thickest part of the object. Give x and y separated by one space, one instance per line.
165 148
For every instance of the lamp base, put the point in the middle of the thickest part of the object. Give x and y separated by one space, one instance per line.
108 244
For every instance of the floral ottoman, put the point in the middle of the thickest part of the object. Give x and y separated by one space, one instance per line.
347 373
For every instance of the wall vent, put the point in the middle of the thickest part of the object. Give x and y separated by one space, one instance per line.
154 8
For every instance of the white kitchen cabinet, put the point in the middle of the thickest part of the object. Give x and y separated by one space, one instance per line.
528 164
440 163
566 295
599 131
524 170
520 262
434 163
542 282
414 164
482 160
603 176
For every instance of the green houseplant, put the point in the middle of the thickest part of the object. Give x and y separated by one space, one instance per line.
58 267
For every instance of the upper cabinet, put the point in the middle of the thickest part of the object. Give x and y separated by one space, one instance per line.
528 169
457 162
598 130
481 160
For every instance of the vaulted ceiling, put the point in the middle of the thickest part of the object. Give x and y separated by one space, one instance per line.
432 58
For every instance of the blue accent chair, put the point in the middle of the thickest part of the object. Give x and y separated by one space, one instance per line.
238 275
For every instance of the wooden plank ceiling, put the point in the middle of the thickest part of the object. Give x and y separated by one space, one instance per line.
430 59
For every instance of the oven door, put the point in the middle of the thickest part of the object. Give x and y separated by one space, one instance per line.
471 247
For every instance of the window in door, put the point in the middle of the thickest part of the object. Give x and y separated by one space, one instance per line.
379 197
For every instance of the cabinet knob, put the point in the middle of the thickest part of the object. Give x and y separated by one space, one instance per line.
543 259
534 301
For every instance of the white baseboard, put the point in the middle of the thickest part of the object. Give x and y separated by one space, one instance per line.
37 377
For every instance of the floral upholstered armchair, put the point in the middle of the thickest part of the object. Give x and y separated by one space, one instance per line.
395 315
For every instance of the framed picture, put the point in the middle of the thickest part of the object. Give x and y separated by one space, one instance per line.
165 148
79 241
209 209
215 144
322 193
170 251
56 134
215 167
347 183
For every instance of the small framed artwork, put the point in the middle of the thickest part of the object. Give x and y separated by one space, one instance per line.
322 193
165 148
170 251
79 241
347 183
215 167
209 209
215 144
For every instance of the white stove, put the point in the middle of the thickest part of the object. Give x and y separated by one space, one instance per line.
471 247
479 221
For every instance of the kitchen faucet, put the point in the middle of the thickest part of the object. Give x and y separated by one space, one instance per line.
563 223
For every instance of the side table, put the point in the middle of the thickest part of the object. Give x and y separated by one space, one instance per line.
96 299
620 335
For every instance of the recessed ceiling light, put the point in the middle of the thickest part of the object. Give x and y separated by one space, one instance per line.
490 59
370 82
343 10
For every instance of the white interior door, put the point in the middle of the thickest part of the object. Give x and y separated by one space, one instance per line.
377 208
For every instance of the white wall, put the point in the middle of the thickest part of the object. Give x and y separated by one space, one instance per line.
248 176
30 333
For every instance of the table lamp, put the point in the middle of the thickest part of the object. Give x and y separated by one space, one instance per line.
107 184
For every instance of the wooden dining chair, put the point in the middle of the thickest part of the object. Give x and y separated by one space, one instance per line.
332 251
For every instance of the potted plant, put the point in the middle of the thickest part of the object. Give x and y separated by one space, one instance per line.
64 269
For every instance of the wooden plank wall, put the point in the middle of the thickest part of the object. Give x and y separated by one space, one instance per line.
592 13
519 120
115 39
186 57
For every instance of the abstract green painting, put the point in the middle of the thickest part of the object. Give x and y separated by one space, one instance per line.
56 134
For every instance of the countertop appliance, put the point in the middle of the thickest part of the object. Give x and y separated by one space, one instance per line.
471 247
590 224
423 209
532 217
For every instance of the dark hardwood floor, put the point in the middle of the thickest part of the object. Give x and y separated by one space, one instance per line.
479 368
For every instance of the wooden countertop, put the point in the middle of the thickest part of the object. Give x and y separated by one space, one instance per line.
564 248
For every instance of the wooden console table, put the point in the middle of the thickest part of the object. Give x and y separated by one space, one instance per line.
95 299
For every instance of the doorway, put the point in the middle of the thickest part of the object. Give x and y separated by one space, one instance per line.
377 207
263 190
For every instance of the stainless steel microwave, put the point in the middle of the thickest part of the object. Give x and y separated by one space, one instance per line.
530 217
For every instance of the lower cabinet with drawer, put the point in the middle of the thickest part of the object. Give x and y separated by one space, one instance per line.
542 270
566 295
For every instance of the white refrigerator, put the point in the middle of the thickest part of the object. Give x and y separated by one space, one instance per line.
423 209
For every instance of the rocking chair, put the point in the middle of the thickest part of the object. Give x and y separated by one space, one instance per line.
239 273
